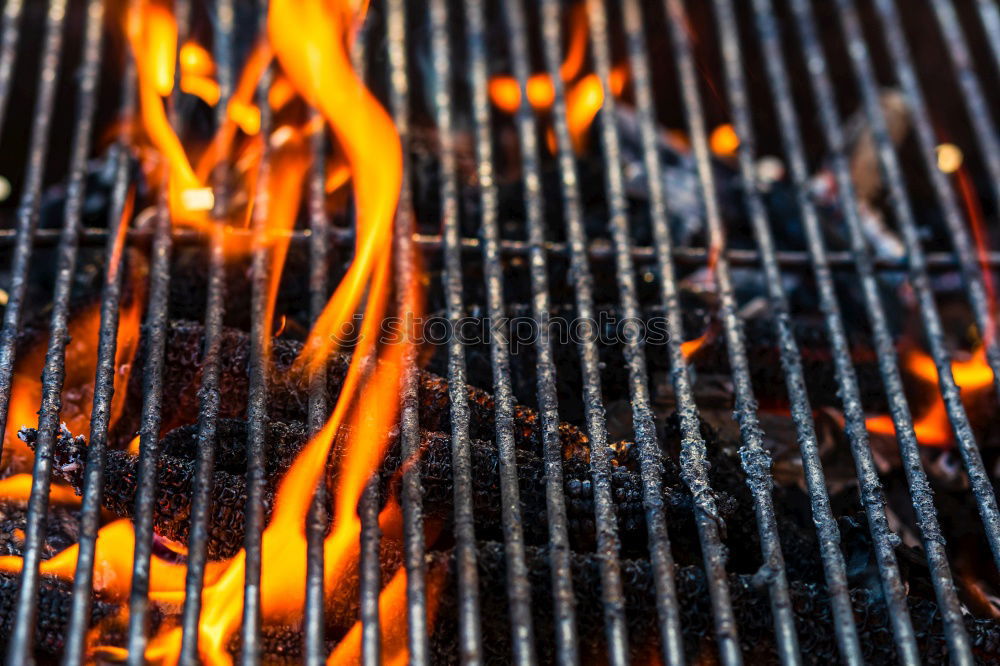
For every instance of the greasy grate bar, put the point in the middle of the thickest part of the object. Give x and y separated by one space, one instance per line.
323 239
739 104
518 588
152 398
340 237
19 646
414 551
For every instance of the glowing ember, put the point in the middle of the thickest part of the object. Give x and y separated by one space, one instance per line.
949 157
723 141
584 96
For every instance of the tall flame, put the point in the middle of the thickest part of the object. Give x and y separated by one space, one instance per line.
310 39
320 70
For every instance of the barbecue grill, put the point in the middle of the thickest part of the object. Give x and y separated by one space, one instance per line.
767 267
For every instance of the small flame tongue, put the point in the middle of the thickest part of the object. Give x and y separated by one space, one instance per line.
80 359
932 426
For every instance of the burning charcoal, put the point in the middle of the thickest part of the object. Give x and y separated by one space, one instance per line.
288 396
436 478
54 600
175 478
62 527
750 600
176 471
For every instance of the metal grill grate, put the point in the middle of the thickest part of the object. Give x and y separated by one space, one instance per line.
472 21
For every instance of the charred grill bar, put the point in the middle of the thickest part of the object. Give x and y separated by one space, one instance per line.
518 563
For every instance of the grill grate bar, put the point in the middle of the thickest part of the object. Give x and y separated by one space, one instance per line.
8 51
989 15
904 425
319 285
756 461
54 372
155 327
411 495
90 510
19 646
608 545
972 93
870 489
693 452
208 408
27 212
518 588
260 363
979 479
596 250
970 264
470 640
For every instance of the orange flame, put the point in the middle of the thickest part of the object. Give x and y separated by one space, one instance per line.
18 489
80 363
319 68
152 33
973 375
975 213
584 97
691 347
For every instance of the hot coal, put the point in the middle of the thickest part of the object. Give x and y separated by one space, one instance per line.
62 528
750 600
176 474
289 392
810 603
54 603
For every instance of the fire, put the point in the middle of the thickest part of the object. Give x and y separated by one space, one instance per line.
18 488
691 347
310 41
584 95
81 362
152 33
973 376
319 69
971 200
